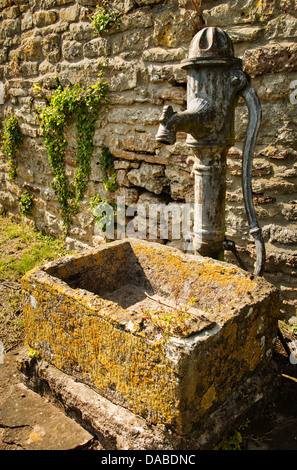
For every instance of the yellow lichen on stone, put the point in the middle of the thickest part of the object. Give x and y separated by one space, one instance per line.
176 382
208 398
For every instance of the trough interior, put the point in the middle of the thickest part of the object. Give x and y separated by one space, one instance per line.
114 274
130 273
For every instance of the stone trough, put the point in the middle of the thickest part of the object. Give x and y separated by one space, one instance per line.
182 342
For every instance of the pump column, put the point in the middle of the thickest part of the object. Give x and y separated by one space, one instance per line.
210 194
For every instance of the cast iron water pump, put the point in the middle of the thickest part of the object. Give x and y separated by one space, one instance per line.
214 84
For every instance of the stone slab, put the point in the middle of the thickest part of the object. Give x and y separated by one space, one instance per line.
28 421
175 374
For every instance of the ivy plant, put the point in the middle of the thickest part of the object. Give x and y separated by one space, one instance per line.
105 17
11 140
83 104
106 165
26 202
98 202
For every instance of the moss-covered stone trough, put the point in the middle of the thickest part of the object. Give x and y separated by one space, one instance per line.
112 319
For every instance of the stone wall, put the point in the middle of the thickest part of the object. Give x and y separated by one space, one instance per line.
44 39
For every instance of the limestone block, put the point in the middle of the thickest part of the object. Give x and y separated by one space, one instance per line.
279 234
171 28
139 117
30 131
81 31
96 173
288 6
284 26
29 69
48 194
51 221
70 14
130 41
130 195
147 2
272 86
122 179
14 188
26 173
238 12
72 50
289 211
124 165
181 185
51 47
133 156
96 48
171 73
3 55
160 54
48 4
12 12
9 28
9 200
122 81
174 94
88 2
271 58
134 19
27 21
31 48
148 177
44 18
243 33
139 142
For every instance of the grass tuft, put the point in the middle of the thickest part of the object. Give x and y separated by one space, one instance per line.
22 248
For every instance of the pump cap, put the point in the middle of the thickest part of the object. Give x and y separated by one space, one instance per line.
211 43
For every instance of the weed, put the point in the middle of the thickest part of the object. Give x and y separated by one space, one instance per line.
233 441
26 203
105 17
168 318
101 221
33 353
21 248
106 165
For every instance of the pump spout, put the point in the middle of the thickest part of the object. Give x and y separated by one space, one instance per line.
199 120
